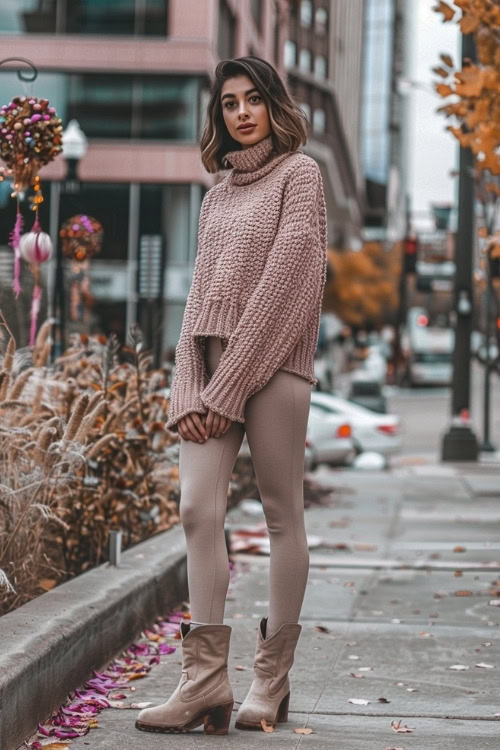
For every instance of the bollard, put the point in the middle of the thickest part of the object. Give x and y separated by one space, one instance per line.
115 547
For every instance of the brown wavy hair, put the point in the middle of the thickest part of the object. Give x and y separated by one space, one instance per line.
289 124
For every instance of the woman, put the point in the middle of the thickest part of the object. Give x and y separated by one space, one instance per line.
244 363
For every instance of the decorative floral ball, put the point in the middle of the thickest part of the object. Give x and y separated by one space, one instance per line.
35 247
81 237
30 137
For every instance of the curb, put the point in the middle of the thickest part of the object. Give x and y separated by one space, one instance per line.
51 644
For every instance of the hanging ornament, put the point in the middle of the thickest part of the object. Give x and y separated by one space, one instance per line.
81 237
35 248
30 137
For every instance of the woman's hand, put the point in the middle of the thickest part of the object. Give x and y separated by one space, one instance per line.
191 427
199 427
215 424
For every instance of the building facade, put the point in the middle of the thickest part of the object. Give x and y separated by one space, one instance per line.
135 75
384 117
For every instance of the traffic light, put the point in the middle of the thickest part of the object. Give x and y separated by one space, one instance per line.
410 254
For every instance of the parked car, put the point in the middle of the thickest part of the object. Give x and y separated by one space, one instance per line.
367 392
329 438
370 431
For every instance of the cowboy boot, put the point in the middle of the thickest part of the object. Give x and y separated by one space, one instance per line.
269 693
204 694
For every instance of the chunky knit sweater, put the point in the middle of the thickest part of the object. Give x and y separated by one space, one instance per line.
258 282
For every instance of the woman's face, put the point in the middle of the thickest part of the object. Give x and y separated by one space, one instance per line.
243 105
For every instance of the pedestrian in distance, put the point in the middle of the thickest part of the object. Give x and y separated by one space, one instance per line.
244 363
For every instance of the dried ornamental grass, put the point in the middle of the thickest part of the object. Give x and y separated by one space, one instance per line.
83 450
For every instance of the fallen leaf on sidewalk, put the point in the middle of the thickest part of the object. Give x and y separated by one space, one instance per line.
353 674
394 748
54 745
463 593
240 668
458 548
367 669
303 730
485 666
353 656
423 634
383 700
321 629
364 546
458 667
143 704
359 701
265 726
398 727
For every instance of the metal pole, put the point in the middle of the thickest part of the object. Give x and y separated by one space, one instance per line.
460 442
487 445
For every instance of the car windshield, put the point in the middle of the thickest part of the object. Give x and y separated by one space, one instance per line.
433 358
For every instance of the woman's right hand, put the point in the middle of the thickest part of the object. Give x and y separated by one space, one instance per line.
191 427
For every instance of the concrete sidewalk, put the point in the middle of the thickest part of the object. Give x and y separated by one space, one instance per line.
404 584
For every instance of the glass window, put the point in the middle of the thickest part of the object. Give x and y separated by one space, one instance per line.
306 110
102 104
320 21
129 17
320 66
177 223
306 13
305 60
319 121
109 204
28 16
144 106
97 17
256 7
226 31
289 54
169 106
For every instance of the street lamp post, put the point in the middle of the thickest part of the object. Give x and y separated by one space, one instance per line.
460 442
75 146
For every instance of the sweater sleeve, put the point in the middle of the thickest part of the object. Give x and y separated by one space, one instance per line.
279 310
189 373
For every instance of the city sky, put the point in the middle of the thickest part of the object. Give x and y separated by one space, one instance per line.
433 151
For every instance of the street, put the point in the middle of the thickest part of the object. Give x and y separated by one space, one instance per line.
425 413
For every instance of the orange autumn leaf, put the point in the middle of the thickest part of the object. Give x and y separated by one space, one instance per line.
444 8
47 583
443 89
438 70
265 726
469 23
447 59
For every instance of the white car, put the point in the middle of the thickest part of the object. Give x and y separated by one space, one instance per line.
370 431
329 438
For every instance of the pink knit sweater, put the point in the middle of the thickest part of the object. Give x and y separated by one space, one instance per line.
258 282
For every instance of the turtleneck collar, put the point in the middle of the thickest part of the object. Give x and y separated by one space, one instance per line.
252 163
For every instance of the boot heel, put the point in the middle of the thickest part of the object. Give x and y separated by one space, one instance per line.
283 709
217 720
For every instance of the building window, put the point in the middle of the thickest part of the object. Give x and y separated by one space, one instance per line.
305 61
111 17
306 13
319 121
226 31
320 21
320 66
289 54
143 106
306 109
256 8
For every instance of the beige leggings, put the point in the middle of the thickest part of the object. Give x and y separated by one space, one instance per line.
275 424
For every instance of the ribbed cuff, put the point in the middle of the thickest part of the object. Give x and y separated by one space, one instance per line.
227 400
184 399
